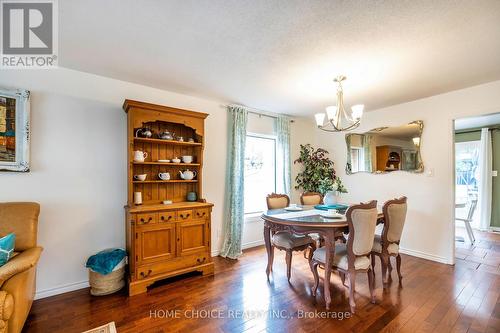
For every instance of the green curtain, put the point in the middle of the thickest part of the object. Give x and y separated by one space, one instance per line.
366 141
283 161
234 210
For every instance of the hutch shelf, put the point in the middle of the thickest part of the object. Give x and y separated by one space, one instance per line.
165 240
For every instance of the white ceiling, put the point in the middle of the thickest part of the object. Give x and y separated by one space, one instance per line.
282 55
477 122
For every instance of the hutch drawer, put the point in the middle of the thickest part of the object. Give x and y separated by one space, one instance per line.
150 270
146 218
184 215
169 216
201 213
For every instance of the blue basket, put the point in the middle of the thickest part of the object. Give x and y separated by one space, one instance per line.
334 206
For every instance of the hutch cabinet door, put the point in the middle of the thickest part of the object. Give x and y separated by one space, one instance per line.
192 237
155 242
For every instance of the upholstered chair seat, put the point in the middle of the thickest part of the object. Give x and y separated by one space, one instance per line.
340 258
392 248
289 241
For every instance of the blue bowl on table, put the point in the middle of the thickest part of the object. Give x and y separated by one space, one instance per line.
334 206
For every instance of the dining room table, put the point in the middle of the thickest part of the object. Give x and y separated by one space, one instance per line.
309 220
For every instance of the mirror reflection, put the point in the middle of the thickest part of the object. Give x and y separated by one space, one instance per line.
386 149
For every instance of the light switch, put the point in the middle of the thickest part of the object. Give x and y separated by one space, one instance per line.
494 173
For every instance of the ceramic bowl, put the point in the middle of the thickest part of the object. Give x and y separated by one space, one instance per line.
187 159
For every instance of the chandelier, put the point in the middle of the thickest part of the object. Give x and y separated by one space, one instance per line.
338 119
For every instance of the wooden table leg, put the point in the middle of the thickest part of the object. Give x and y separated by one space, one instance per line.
330 252
269 249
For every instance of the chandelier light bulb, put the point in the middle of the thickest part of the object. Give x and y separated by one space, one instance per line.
331 112
357 111
320 118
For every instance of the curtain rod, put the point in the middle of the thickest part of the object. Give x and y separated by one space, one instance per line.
257 112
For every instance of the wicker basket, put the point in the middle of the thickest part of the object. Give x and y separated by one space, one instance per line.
106 284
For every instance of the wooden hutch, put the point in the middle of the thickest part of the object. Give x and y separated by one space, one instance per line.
164 240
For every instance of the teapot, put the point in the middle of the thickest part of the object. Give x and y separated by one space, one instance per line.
187 175
166 135
143 132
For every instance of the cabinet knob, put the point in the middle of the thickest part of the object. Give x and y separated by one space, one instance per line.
200 214
185 216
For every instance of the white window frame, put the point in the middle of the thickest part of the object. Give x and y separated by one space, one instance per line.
361 157
255 216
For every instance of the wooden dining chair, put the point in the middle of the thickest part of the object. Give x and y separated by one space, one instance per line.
287 241
353 257
311 198
386 245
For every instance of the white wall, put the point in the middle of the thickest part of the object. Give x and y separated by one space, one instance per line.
78 166
429 231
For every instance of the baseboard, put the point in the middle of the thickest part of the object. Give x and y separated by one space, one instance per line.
424 255
495 229
245 246
61 289
252 244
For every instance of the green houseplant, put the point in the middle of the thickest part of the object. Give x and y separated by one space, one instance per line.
318 174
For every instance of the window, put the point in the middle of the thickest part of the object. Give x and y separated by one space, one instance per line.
356 157
260 171
467 168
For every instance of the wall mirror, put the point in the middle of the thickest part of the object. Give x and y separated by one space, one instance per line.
386 149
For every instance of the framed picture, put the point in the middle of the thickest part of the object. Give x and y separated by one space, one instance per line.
14 130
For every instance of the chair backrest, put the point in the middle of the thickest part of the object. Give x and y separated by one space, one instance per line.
277 201
20 218
311 198
472 208
362 220
394 220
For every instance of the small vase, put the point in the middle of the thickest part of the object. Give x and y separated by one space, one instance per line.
330 198
191 196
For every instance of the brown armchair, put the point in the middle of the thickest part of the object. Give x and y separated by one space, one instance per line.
17 276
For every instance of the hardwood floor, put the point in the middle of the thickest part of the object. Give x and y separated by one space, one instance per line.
434 298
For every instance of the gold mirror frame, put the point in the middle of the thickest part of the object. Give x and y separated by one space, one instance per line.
419 165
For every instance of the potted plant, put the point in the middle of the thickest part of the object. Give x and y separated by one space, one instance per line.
318 174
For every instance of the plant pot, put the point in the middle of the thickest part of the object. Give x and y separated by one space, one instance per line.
331 198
